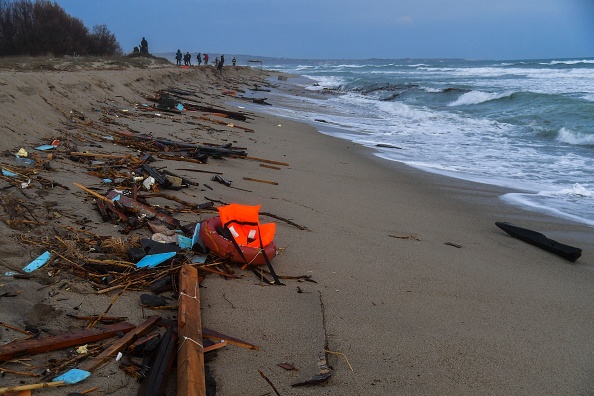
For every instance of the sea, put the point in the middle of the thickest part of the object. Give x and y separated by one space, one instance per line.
526 125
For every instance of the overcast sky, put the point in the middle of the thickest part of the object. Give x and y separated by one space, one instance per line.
348 29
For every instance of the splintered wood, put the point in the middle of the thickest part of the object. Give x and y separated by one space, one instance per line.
190 356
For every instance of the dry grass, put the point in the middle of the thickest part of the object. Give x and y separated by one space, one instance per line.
69 63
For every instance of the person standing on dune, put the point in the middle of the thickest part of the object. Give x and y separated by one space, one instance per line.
220 65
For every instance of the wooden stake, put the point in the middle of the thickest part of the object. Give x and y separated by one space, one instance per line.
266 160
261 180
270 167
190 357
93 193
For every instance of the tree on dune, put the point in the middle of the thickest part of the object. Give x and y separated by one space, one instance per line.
44 28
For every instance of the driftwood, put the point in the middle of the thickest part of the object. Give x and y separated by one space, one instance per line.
120 344
47 344
224 150
139 208
160 366
191 379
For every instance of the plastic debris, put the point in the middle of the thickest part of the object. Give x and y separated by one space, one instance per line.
73 376
152 260
38 262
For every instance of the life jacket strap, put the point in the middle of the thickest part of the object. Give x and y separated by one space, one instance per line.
276 280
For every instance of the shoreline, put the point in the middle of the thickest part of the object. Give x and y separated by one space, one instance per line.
411 313
531 213
403 308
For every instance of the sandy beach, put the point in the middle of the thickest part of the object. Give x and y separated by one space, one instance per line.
416 291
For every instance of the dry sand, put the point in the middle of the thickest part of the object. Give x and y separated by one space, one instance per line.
412 314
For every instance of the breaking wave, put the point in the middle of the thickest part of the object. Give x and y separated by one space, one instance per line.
477 97
576 138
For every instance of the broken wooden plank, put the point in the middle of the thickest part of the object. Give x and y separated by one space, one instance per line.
211 346
190 357
260 180
215 335
270 167
266 160
120 344
38 345
160 366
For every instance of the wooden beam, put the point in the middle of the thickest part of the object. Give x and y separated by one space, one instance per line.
161 364
120 344
190 357
46 344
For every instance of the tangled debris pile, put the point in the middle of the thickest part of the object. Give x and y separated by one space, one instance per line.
155 249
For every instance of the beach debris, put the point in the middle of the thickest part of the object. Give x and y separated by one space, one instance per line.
122 263
160 365
341 354
46 344
270 167
191 379
410 236
323 375
215 335
384 145
8 173
12 390
152 260
120 344
38 262
540 240
260 180
73 376
324 372
269 382
222 180
287 366
150 300
453 244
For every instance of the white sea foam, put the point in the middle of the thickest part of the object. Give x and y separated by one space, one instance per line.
477 97
577 190
569 62
464 140
568 136
532 201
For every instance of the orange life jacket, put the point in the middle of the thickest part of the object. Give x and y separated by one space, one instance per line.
244 224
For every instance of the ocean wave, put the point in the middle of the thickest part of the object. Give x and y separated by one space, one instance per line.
533 201
577 190
477 97
569 62
568 136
